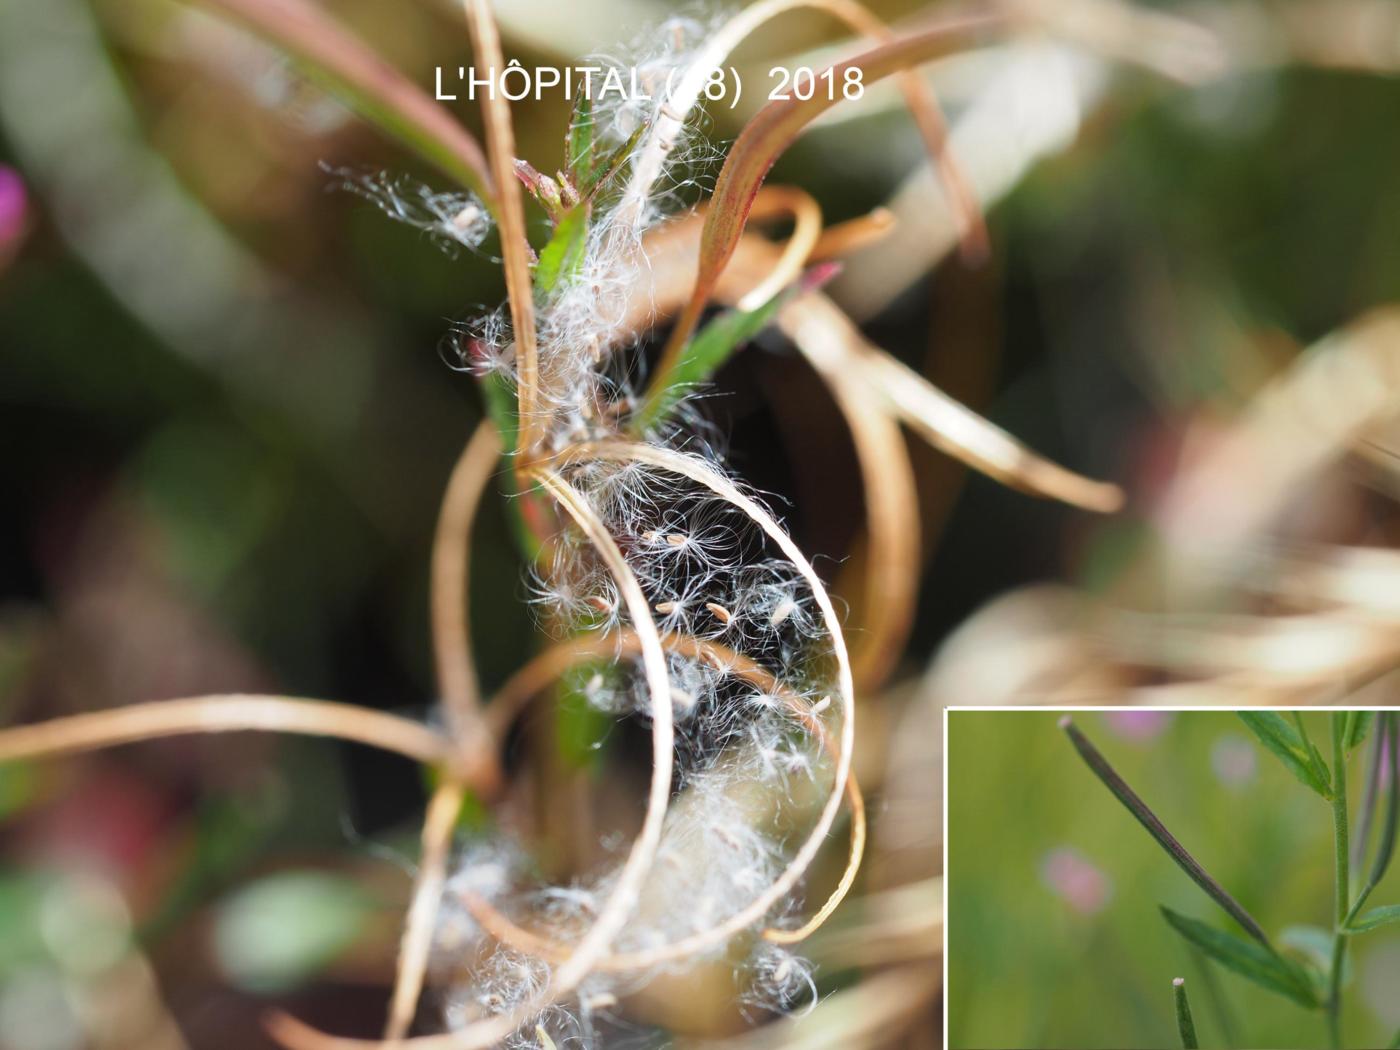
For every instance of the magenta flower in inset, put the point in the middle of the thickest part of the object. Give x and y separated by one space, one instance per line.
1137 726
1076 880
1234 760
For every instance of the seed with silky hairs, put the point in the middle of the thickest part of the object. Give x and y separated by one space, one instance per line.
719 612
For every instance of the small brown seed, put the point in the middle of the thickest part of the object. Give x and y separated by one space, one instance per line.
675 539
719 612
665 608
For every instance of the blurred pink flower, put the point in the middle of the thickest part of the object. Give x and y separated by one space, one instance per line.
1138 726
1076 880
1234 760
14 206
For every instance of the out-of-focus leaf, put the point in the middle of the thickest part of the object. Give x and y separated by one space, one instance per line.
1385 851
17 788
1283 740
367 84
1262 966
1314 943
1375 918
21 945
581 728
287 927
1358 725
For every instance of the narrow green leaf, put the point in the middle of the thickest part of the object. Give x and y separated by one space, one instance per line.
367 84
1185 1026
1376 917
578 148
596 176
286 927
702 358
1319 764
561 257
1287 743
1261 965
1149 820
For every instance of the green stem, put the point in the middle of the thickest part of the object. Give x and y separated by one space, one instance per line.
1343 856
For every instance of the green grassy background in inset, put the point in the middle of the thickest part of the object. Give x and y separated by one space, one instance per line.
1028 969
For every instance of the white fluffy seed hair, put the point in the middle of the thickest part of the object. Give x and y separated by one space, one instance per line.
451 220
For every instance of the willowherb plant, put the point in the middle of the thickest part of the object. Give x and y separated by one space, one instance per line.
670 592
1310 980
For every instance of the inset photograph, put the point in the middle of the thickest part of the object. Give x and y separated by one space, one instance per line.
1172 878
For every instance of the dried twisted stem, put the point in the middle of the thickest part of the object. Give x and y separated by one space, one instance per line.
807 229
417 941
451 563
232 712
548 666
611 917
670 121
515 248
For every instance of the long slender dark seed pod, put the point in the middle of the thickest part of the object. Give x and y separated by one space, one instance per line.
1185 1027
1149 820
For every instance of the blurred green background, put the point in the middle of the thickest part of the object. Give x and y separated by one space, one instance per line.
1054 934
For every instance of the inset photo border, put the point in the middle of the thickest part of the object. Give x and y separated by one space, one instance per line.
1170 877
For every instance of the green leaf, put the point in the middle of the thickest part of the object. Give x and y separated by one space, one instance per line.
1185 1026
595 177
578 147
702 358
581 729
561 257
1376 917
1259 964
286 927
1314 945
367 84
1292 750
